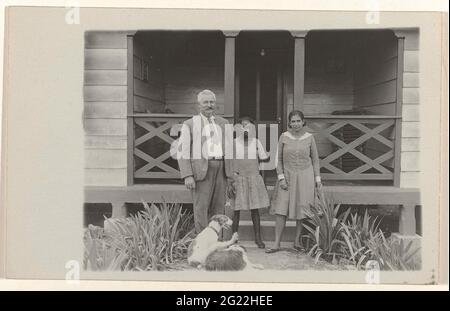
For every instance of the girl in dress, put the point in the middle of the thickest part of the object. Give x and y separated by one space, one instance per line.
249 190
298 177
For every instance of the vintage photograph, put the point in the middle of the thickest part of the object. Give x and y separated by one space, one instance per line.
252 150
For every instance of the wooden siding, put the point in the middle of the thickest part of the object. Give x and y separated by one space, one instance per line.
105 142
105 108
105 177
105 93
380 97
110 110
325 92
148 88
105 40
106 158
105 77
108 59
410 152
375 82
184 83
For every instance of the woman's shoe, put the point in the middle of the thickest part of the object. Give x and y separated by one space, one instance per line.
272 250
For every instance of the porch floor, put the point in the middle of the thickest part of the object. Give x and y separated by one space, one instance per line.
177 193
270 181
408 198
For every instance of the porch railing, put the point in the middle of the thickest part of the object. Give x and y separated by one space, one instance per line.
350 147
152 141
359 147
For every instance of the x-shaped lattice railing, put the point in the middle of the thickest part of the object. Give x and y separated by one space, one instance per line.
153 130
368 133
157 127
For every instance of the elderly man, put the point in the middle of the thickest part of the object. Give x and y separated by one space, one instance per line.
203 166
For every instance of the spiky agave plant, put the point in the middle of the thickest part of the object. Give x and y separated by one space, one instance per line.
324 228
98 254
153 239
176 231
357 231
394 254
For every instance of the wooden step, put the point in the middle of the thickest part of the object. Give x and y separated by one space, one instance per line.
267 231
263 215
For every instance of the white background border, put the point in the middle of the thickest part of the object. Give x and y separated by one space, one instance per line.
384 5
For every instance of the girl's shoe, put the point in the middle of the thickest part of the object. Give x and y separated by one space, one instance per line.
260 244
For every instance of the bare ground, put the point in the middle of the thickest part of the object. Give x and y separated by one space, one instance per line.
285 259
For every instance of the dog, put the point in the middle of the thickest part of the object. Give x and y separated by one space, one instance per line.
207 241
233 258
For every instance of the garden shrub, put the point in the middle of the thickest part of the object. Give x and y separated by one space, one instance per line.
156 238
352 239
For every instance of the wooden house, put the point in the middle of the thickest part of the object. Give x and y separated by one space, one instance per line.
359 90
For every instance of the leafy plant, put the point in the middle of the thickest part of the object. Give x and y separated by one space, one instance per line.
357 231
324 229
98 254
393 254
365 241
337 236
154 239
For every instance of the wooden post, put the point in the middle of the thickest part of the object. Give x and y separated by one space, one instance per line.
407 224
119 210
229 71
299 68
258 94
236 97
398 110
130 111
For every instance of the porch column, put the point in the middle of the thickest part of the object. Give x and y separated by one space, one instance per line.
299 68
407 221
130 111
229 71
119 210
398 107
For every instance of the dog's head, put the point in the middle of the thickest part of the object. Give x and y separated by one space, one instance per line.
223 220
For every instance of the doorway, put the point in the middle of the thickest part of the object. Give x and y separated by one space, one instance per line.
261 90
263 59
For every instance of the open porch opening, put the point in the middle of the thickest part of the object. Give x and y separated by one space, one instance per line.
352 105
349 94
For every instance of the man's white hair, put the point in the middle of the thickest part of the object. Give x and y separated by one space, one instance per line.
205 93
